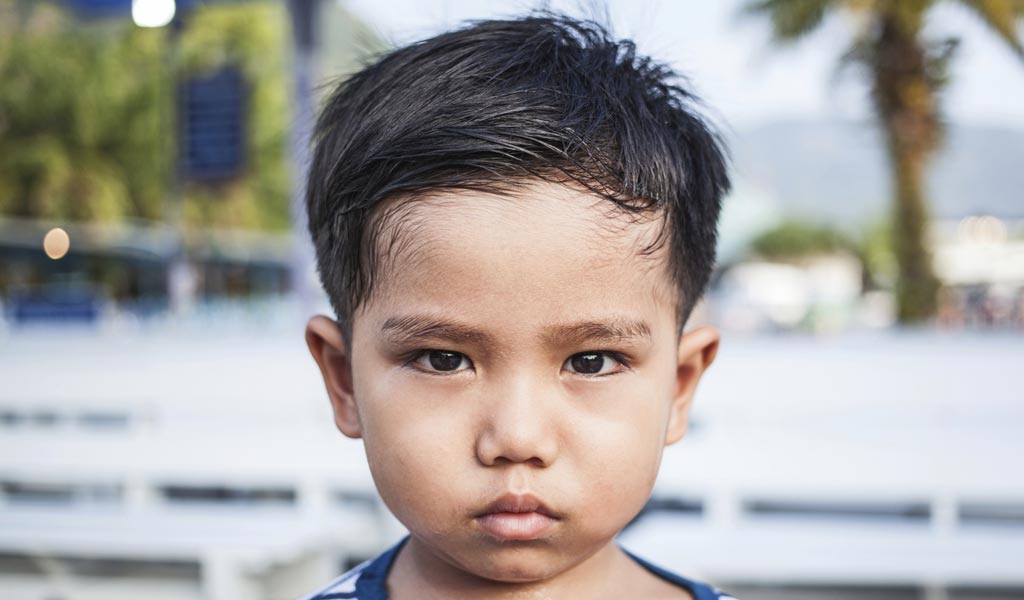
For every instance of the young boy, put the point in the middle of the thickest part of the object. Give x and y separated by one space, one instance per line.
513 222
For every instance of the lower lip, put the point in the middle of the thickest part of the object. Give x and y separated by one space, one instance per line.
516 526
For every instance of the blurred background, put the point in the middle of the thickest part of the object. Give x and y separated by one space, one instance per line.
164 433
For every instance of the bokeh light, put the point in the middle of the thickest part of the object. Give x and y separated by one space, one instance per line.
152 13
56 243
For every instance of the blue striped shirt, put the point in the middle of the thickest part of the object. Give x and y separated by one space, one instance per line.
366 581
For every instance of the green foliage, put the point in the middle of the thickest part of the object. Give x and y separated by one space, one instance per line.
80 123
795 239
87 121
878 256
1003 18
791 19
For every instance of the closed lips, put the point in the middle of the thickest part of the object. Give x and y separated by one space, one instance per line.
517 503
516 518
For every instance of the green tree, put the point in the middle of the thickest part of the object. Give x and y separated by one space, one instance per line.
80 130
86 114
794 239
907 72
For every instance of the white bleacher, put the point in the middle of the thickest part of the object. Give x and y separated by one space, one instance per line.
869 460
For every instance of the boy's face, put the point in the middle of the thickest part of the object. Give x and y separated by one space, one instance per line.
515 346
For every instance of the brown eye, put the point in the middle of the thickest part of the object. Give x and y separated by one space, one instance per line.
444 361
589 363
592 363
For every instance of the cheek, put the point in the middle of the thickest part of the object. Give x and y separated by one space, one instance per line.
413 446
622 455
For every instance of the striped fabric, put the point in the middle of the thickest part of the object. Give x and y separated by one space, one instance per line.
367 581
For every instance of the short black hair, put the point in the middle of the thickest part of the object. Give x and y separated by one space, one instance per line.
500 103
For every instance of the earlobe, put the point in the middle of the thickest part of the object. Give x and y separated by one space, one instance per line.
697 350
327 346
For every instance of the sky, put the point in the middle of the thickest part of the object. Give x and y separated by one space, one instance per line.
728 58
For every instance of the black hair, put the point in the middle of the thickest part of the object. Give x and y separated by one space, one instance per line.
500 103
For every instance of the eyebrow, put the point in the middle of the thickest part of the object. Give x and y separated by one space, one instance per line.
410 328
614 331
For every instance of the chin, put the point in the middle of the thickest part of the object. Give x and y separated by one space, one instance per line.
514 567
515 574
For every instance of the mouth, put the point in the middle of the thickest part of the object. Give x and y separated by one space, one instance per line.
516 517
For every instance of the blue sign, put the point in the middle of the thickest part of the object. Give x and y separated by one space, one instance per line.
77 307
101 8
95 9
212 121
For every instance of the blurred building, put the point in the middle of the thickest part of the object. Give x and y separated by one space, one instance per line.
125 269
980 259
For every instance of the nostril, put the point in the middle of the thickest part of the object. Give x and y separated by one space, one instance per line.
516 427
491 452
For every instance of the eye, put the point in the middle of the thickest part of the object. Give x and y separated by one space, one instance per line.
443 361
594 363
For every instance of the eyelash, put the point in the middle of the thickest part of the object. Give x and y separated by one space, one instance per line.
411 362
416 356
623 362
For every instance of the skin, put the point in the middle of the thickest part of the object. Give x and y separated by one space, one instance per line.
507 283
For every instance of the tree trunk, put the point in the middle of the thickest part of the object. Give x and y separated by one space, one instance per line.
916 286
905 102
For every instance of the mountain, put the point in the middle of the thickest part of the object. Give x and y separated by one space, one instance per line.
836 170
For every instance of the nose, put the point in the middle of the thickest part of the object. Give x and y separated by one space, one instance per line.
518 424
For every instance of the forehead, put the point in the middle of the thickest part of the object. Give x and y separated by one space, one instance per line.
539 254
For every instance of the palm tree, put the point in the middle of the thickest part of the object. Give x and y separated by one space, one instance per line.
906 72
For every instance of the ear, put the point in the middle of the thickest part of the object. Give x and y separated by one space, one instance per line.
697 349
326 344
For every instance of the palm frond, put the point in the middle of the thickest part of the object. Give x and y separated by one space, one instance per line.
1004 17
790 19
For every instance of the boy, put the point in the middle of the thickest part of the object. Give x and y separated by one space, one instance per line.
513 222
